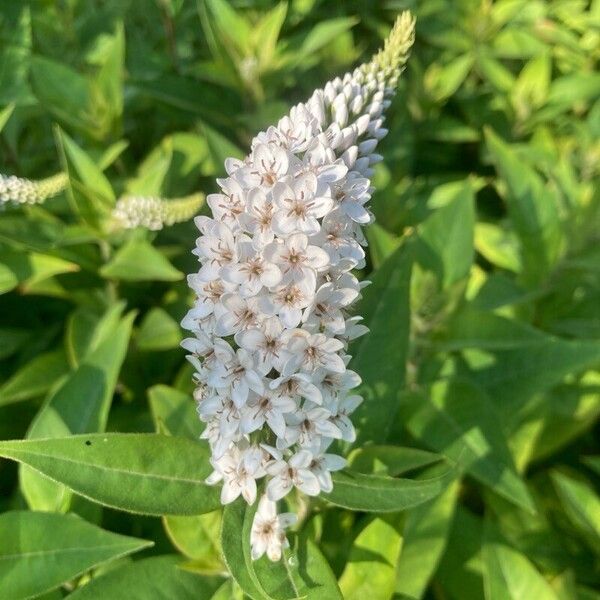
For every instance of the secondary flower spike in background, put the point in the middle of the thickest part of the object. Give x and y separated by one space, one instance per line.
275 288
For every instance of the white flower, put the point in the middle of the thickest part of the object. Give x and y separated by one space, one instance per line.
267 408
323 465
266 343
268 530
274 293
299 206
238 470
310 352
298 261
292 473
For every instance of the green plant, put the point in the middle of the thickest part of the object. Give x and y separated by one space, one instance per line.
481 369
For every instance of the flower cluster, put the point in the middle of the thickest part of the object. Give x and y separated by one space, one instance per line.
154 213
271 320
25 191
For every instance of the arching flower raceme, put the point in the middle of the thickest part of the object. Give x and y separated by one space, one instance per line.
275 288
26 191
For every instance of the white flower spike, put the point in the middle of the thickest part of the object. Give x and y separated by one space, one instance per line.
274 292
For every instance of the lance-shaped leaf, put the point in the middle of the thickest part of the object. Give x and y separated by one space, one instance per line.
302 573
141 473
156 577
371 568
41 551
373 493
380 357
80 405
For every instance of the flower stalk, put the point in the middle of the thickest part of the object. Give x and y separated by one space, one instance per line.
275 289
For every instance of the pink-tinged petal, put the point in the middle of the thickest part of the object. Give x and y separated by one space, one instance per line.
278 487
309 484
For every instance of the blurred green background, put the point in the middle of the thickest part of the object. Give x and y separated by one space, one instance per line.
485 259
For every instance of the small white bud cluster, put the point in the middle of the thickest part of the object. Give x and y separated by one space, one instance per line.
154 213
26 191
271 320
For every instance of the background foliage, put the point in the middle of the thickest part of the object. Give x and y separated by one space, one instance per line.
484 307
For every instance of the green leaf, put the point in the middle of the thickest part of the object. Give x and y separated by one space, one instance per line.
303 572
266 34
498 245
443 80
371 568
508 574
380 357
82 168
86 331
519 373
27 269
581 504
373 493
197 537
460 570
41 551
457 419
15 58
63 92
35 378
447 238
156 577
174 413
80 405
309 570
532 209
425 533
5 114
322 34
531 88
381 244
13 339
158 331
235 541
141 473
138 260
389 460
